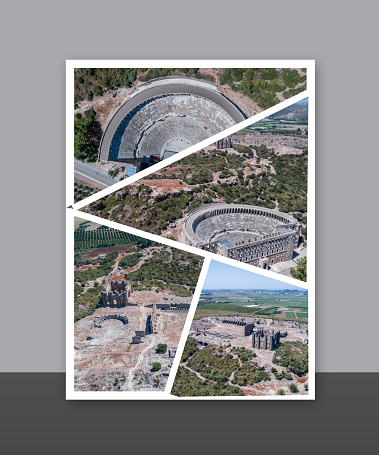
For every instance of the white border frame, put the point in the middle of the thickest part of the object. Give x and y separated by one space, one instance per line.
310 285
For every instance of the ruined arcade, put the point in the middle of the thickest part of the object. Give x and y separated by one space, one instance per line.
255 235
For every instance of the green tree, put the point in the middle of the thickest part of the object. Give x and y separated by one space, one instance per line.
97 90
156 366
300 272
161 348
293 387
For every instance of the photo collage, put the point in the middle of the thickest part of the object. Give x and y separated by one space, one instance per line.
190 230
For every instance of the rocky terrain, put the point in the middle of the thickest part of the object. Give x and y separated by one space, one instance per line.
105 357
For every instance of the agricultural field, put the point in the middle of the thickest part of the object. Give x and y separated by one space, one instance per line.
275 126
86 237
267 304
248 298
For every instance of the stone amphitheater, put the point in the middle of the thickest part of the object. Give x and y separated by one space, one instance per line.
166 117
250 234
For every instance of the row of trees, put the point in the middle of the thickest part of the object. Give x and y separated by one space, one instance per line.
99 238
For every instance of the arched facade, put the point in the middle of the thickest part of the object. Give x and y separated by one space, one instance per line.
250 234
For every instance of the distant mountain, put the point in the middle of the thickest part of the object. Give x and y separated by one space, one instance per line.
298 112
303 102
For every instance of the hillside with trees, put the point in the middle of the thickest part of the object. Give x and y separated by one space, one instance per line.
214 176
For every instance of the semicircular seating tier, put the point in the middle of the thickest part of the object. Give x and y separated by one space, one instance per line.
171 122
236 227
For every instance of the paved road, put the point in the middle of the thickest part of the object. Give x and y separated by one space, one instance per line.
154 91
93 174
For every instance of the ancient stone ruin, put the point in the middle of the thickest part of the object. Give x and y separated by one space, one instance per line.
173 306
265 339
255 235
224 143
248 329
235 321
182 112
116 294
138 337
248 326
99 319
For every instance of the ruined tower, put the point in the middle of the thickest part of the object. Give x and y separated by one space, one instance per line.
267 340
116 294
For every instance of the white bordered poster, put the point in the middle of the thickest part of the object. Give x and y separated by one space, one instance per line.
190 229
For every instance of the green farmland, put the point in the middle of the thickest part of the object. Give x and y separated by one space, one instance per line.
265 304
86 237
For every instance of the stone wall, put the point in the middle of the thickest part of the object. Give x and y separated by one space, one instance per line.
263 251
173 306
116 294
136 340
265 339
235 321
99 319
248 329
224 143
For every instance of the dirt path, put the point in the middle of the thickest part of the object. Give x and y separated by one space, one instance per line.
197 374
140 360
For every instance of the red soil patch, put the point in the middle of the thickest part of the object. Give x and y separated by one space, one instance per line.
82 268
171 170
121 255
164 184
116 276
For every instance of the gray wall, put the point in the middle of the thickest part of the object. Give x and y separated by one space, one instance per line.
39 36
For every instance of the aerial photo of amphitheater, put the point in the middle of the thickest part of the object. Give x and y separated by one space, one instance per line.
249 337
244 197
128 119
131 301
163 119
257 236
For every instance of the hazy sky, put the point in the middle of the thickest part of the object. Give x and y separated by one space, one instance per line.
222 276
